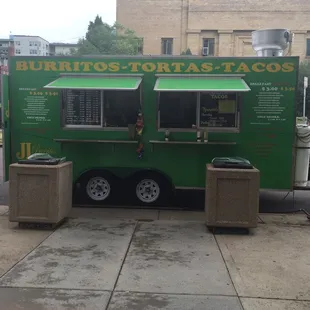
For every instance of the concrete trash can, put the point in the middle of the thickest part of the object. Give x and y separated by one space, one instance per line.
232 197
40 193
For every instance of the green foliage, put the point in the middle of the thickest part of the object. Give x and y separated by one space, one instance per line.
103 39
187 52
304 70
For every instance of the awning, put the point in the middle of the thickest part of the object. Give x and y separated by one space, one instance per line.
92 82
201 84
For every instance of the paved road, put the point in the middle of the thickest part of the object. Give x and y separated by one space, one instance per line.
269 202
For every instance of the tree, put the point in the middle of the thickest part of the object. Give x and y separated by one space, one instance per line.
187 52
304 71
103 39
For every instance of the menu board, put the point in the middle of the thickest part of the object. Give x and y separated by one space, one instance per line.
218 110
271 106
82 107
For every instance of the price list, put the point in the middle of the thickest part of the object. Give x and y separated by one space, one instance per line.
218 110
83 107
270 105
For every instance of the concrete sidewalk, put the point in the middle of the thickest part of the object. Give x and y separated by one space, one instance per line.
148 259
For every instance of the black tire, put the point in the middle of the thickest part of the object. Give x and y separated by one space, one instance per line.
105 193
160 188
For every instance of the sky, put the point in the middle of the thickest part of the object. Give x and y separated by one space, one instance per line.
56 20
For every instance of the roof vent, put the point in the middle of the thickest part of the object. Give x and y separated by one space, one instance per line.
271 42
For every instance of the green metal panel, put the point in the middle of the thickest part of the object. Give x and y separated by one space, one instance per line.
201 84
6 134
267 129
91 82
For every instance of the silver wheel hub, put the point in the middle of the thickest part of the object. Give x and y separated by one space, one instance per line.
98 188
147 190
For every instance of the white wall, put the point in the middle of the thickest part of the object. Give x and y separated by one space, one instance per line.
63 50
4 44
30 46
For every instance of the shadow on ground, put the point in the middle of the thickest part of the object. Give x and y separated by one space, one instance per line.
270 201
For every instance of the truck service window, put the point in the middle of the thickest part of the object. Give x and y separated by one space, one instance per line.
218 110
86 108
177 109
184 110
121 108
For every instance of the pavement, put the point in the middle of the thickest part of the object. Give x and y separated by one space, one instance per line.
149 259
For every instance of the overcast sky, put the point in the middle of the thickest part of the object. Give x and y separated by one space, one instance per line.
56 20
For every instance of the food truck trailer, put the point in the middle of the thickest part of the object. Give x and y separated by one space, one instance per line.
145 126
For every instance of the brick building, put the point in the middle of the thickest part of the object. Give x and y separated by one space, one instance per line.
213 27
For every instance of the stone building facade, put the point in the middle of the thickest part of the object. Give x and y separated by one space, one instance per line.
213 27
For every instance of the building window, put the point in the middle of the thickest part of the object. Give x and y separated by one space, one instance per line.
190 110
17 51
166 46
3 52
17 42
33 52
208 47
114 109
308 48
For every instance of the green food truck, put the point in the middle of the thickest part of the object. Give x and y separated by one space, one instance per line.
145 126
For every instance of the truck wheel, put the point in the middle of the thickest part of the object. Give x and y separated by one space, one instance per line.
150 189
99 187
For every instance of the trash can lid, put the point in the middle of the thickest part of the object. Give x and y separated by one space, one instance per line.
40 156
231 162
42 159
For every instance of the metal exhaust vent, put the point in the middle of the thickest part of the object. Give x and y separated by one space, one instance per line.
271 42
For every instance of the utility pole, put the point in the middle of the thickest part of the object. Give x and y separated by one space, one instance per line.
305 96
